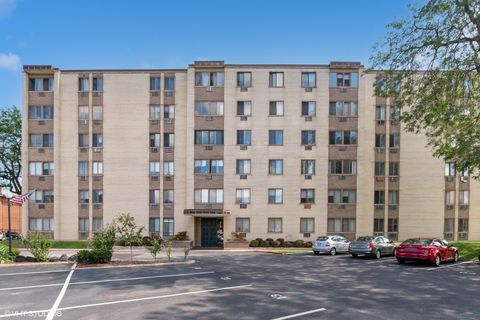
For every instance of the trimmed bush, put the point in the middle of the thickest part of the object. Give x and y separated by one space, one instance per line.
264 243
299 244
180 236
281 241
254 243
288 244
270 241
259 240
275 244
38 244
308 244
94 256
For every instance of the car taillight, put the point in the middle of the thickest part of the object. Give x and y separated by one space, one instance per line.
370 245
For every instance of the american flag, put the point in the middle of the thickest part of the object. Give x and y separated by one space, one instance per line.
21 198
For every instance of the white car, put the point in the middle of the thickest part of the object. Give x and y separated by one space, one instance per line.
2 236
331 245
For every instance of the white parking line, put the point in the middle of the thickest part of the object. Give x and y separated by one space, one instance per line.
300 314
106 280
449 266
128 301
32 272
54 308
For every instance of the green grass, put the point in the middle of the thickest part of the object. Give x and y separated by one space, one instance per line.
467 250
55 245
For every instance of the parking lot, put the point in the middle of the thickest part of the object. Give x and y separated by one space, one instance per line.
226 285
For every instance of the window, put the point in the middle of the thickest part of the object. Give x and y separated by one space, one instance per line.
275 167
154 168
343 79
342 167
275 137
242 196
154 197
394 169
243 166
168 227
168 196
40 224
307 225
209 196
97 224
35 168
40 84
209 137
380 141
463 225
168 168
450 198
216 166
309 80
41 168
308 167
380 113
275 196
48 140
464 172
154 83
341 225
244 108
242 225
208 166
209 79
97 84
393 197
348 225
97 196
83 196
35 112
308 137
154 112
379 197
378 225
307 196
394 140
379 169
97 168
276 79
244 79
450 169
201 166
47 112
244 137
274 225
97 113
83 85
343 109
37 196
169 111
153 225
342 196
394 113
209 108
169 84
83 168
309 108
154 140
343 137
83 140
392 225
83 225
83 113
47 196
463 197
97 140
276 108
41 140
168 140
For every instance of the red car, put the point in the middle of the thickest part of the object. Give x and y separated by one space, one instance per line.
432 250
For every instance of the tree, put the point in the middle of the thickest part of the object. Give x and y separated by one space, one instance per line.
434 56
130 234
10 149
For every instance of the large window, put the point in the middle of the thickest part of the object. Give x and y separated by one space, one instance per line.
83 84
209 79
463 197
244 137
380 113
276 108
343 109
41 168
463 225
97 140
308 137
83 113
154 197
342 167
393 197
208 136
40 112
242 225
41 140
338 225
308 167
242 196
309 108
168 227
97 196
83 225
209 196
307 196
154 168
47 196
378 225
309 80
275 196
169 140
83 168
342 196
169 111
392 225
169 84
153 225
344 79
155 112
394 113
274 225
154 140
394 169
40 224
379 169
448 225
209 108
244 108
97 168
97 224
40 84
244 79
343 137
307 225
155 84
394 140
275 167
276 79
168 196
208 166
97 84
243 166
275 137
379 197
168 168
450 198
97 113
380 140
449 169
83 196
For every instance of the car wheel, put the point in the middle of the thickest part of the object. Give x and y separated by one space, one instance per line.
394 253
354 255
400 261
437 261
378 254
333 251
316 252
455 257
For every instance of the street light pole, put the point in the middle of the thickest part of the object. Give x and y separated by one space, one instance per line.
9 229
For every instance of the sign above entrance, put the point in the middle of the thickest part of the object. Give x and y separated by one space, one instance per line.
206 212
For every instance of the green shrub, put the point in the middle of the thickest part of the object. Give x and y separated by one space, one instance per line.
275 244
5 255
180 236
155 248
103 239
299 244
269 240
38 244
281 241
308 244
254 243
287 244
259 240
83 256
94 256
264 243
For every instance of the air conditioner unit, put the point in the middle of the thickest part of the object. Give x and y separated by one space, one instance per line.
341 177
242 234
393 179
243 176
463 236
153 149
343 119
97 178
154 122
168 178
243 147
97 206
83 121
380 149
97 93
209 177
154 178
83 205
308 89
308 147
306 234
308 177
393 206
154 93
381 122
154 205
41 206
342 148
209 89
464 206
243 89
209 118
243 118
168 120
83 178
243 206
393 150
448 235
308 118
464 179
97 149
41 94
41 178
449 206
380 179
168 205
307 206
83 149
379 206
84 94
97 122
41 122
168 149
343 89
169 93
208 147
341 206
41 150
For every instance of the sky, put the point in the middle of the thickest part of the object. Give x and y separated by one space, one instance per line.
136 34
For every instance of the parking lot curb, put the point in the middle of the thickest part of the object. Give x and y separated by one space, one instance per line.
86 266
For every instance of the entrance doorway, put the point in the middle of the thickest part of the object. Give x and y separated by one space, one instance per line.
211 232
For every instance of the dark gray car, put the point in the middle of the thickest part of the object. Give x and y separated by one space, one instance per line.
372 246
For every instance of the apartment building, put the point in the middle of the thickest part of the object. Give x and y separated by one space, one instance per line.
271 151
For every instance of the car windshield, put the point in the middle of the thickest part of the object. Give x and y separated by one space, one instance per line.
364 238
322 238
417 241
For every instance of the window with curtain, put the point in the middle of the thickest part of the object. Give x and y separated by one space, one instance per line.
242 225
276 79
244 79
274 225
275 167
155 112
169 112
309 108
97 113
242 196
308 137
307 196
307 225
97 84
309 80
308 167
244 137
154 83
243 166
168 227
275 196
275 137
244 108
276 108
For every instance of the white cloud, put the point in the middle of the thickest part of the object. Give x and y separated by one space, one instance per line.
9 61
7 7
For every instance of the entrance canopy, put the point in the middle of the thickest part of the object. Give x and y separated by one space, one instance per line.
206 212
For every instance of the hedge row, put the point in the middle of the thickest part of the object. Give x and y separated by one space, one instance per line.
269 242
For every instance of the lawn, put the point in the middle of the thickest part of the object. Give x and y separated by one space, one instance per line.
468 250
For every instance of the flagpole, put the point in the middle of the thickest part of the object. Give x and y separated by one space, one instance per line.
9 229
